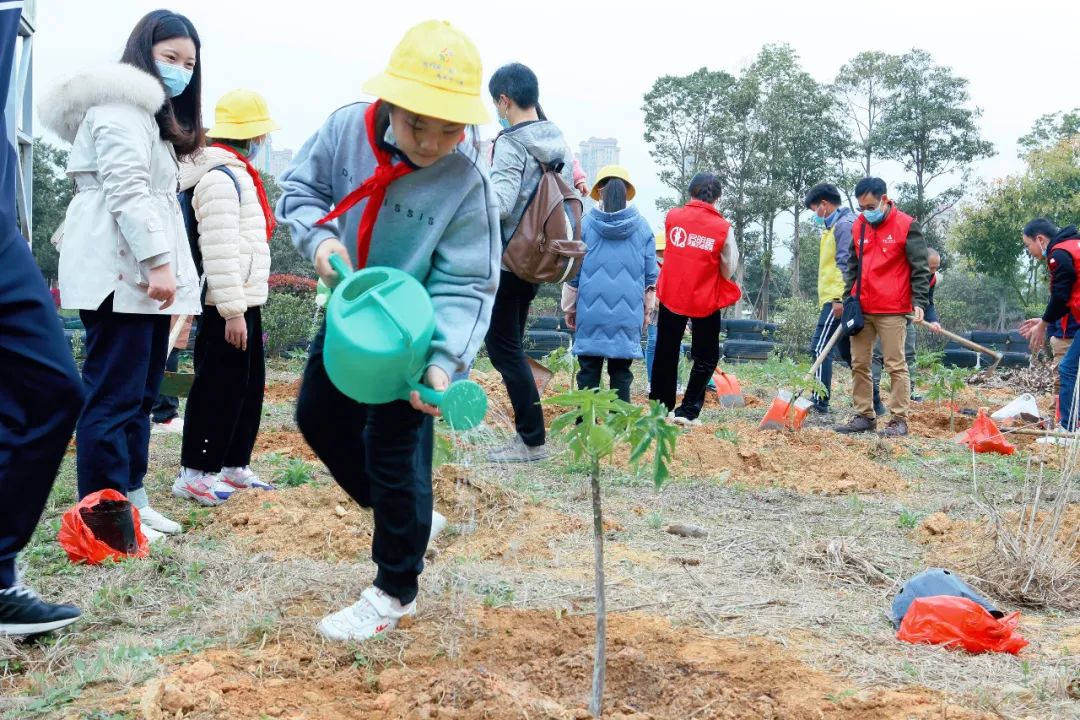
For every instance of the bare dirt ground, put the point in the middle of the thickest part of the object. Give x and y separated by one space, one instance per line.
778 610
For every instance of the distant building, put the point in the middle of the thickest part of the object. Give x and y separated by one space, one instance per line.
280 160
595 154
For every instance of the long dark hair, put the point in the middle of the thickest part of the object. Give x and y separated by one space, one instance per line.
614 195
180 118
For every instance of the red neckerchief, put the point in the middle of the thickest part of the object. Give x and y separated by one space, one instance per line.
374 189
268 213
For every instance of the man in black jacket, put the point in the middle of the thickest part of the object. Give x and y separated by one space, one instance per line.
1061 248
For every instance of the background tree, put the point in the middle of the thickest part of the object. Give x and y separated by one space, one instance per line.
284 258
52 195
1050 130
863 91
928 127
679 111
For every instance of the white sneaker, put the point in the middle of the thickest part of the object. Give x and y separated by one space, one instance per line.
684 421
175 426
242 478
438 524
151 534
375 612
204 488
153 519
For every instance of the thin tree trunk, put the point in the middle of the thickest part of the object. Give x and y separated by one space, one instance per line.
796 291
596 703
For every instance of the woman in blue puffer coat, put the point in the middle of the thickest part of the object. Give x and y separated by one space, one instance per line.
606 302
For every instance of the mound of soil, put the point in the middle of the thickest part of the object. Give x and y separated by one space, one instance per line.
321 521
288 443
810 461
518 664
966 545
284 392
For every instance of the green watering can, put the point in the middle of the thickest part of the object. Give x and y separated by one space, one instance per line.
379 323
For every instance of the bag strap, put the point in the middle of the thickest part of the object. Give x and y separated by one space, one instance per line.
225 169
858 270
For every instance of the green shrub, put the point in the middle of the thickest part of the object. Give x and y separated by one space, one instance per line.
288 322
797 319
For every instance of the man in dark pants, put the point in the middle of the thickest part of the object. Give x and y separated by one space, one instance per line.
40 390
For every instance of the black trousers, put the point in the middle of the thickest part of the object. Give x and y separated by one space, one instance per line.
167 407
704 350
41 395
619 375
381 456
504 345
823 332
125 363
225 405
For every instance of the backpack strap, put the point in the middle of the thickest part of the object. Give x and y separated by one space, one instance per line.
236 183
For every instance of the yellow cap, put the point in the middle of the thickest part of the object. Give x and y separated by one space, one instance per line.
241 115
661 240
613 171
435 71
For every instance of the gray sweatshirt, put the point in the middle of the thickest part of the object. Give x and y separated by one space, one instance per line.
440 224
515 167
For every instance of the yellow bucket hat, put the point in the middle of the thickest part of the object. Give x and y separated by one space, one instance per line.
241 115
435 71
613 171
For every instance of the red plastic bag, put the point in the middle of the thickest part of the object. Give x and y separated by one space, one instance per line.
960 622
984 436
79 541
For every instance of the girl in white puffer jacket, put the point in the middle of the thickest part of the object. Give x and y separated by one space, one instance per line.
235 223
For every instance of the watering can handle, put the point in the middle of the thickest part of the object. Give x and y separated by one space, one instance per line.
338 264
406 336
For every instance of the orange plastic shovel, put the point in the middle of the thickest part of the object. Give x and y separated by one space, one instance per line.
789 410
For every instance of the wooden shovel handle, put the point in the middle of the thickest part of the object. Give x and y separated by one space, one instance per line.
825 353
963 341
174 334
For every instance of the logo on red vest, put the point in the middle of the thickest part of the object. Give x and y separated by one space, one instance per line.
680 239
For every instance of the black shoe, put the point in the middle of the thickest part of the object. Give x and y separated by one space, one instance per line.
916 398
857 424
819 409
880 409
22 612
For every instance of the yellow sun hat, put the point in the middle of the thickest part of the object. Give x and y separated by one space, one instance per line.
613 171
435 70
241 115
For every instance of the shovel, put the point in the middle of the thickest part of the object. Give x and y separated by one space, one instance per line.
965 342
789 410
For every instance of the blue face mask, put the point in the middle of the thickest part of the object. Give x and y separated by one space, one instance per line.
176 78
504 123
254 148
818 220
873 216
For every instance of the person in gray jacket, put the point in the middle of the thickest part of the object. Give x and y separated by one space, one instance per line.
525 142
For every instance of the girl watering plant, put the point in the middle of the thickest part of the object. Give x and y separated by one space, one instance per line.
407 193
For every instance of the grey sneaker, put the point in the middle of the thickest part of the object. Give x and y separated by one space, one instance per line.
857 424
518 452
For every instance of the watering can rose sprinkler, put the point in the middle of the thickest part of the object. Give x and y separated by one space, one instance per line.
379 325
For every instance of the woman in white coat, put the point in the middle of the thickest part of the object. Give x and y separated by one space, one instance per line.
235 222
125 263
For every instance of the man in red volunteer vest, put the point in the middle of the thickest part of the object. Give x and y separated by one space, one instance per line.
1061 248
695 283
890 275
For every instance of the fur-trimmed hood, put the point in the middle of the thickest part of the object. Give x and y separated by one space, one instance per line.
63 108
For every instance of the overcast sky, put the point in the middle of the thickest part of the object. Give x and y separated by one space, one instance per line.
595 61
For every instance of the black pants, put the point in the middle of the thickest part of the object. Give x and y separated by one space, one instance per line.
381 456
40 396
823 332
619 375
167 407
504 345
224 407
125 363
704 350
